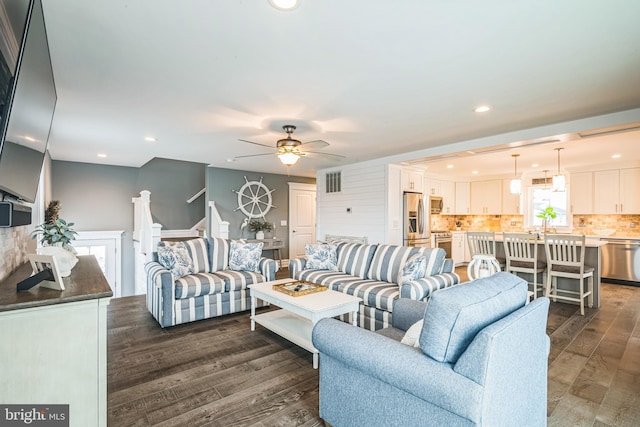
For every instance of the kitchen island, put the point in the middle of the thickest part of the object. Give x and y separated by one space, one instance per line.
592 257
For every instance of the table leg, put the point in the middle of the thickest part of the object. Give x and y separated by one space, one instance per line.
315 360
354 316
253 313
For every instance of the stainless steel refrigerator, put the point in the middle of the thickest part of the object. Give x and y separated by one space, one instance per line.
416 221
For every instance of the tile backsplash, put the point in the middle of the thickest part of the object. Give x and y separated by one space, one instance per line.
15 245
625 225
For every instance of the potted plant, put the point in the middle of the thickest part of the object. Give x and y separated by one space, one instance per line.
259 227
55 235
546 215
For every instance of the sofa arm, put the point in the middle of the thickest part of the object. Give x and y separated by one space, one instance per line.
406 312
422 289
398 365
268 268
448 266
296 265
161 293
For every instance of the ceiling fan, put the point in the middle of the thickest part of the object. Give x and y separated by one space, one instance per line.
289 150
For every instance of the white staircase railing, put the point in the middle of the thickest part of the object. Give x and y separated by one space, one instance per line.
146 235
218 227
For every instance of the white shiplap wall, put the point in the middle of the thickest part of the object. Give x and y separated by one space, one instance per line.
364 190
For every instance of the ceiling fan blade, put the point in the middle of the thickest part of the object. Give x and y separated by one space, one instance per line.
254 155
256 143
325 155
313 145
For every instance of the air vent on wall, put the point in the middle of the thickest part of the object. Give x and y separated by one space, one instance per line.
333 182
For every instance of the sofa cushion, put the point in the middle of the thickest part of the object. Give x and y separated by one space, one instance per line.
175 258
218 254
374 293
455 315
238 280
198 251
245 256
198 284
355 258
321 257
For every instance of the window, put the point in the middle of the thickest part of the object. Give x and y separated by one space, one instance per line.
539 197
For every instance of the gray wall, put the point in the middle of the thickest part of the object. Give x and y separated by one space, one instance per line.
171 183
98 197
220 186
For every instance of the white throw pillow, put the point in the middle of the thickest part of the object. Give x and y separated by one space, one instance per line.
245 256
413 333
321 257
175 258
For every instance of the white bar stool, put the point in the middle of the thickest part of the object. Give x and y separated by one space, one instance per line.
482 266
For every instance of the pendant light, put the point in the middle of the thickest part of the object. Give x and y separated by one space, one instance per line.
288 158
516 183
558 181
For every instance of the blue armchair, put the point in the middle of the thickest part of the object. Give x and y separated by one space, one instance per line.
481 361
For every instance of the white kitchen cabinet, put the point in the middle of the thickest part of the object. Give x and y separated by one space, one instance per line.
615 191
463 190
412 180
448 193
510 202
432 187
458 246
629 195
486 197
581 188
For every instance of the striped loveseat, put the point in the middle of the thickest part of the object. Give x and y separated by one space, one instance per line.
213 290
373 273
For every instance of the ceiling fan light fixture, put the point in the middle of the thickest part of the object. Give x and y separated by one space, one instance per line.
288 158
284 5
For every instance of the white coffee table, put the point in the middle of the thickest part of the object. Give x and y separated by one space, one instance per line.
298 315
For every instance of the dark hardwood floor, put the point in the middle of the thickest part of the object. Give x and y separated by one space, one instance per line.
217 373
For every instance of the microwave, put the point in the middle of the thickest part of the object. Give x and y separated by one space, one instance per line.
435 204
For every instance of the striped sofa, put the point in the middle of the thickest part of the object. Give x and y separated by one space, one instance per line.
214 290
373 273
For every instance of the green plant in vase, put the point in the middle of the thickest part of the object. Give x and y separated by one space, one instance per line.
546 215
259 227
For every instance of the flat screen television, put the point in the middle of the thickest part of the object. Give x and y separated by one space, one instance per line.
28 92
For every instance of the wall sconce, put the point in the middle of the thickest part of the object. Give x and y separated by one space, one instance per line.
558 181
516 183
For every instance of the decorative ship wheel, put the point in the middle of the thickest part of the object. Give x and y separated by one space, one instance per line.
254 199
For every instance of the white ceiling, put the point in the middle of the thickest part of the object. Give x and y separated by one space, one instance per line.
371 77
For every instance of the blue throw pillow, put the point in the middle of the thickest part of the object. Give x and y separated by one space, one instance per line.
321 257
175 258
414 269
245 256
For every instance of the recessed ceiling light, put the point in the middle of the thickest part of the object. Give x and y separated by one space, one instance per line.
30 139
284 4
150 139
534 165
616 156
482 109
231 160
102 155
449 166
474 172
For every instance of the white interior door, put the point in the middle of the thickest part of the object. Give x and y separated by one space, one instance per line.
106 246
302 217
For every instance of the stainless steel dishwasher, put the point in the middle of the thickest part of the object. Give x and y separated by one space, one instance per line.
621 261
